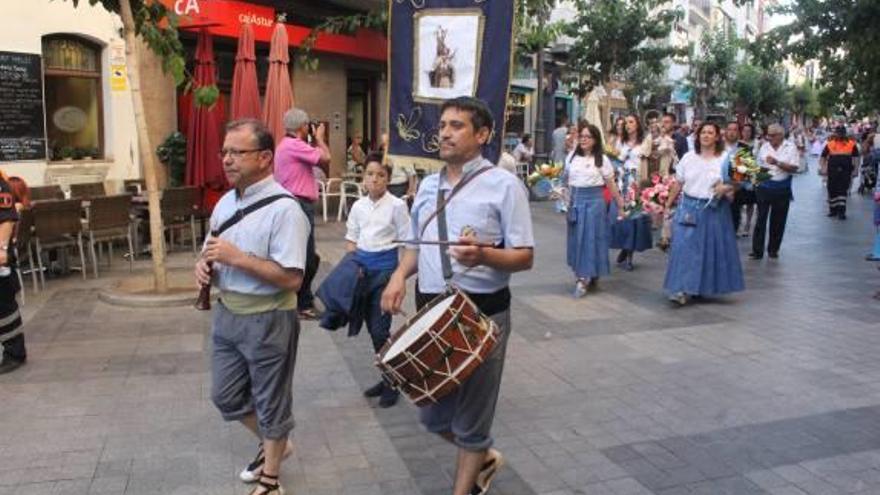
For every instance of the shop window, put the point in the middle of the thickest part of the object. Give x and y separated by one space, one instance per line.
516 114
74 113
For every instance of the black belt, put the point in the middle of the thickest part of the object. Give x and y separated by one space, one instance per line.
489 304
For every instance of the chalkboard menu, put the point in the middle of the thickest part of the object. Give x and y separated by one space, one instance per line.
22 126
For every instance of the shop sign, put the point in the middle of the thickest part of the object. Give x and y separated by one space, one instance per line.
225 17
118 78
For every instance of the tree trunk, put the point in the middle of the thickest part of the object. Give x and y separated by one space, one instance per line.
147 154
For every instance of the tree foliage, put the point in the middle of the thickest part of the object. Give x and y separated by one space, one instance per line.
645 83
712 68
843 36
611 36
157 26
759 93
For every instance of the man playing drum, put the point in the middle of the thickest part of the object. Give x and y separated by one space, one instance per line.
480 204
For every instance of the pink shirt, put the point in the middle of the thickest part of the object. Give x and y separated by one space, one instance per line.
294 167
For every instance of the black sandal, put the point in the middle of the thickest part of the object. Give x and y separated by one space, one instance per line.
272 488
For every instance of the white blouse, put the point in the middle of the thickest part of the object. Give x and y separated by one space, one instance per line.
698 175
582 171
373 225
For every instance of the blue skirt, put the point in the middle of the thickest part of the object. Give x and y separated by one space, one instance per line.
704 259
587 251
632 233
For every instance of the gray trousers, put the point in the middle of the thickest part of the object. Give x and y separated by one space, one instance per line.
469 411
252 363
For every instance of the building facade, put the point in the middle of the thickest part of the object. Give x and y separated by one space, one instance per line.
80 126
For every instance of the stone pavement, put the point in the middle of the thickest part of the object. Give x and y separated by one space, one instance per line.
772 391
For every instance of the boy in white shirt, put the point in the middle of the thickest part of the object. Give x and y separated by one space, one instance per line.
374 222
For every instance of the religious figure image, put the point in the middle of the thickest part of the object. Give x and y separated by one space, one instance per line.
447 54
443 73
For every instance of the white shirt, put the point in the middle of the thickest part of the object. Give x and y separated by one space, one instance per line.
582 171
698 175
786 153
372 225
523 153
877 140
400 174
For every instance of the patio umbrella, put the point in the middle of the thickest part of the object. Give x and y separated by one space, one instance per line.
245 98
204 128
279 95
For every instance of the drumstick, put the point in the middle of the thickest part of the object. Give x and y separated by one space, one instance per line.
444 243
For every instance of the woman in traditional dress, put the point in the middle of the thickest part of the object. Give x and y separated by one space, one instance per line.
587 171
14 196
704 260
632 234
615 134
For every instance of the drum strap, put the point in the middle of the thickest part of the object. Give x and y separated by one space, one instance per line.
440 214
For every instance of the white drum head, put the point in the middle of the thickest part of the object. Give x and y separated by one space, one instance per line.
418 328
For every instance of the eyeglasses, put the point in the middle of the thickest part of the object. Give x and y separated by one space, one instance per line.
234 153
586 136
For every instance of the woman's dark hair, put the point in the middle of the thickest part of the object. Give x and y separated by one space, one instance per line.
640 131
719 144
525 138
598 146
20 191
751 129
378 158
481 116
613 130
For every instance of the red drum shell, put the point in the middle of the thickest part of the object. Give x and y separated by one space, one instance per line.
445 355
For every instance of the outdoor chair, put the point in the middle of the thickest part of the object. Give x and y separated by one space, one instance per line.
179 208
57 224
134 186
88 190
350 190
42 193
22 247
109 220
331 188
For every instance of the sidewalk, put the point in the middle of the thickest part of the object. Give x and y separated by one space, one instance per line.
772 391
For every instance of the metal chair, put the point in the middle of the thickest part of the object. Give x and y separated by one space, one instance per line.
109 220
88 190
58 224
179 207
42 193
134 186
22 244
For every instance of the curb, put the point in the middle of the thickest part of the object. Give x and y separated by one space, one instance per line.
117 297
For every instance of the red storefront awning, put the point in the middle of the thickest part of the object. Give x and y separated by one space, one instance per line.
224 18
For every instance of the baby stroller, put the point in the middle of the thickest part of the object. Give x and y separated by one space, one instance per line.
868 173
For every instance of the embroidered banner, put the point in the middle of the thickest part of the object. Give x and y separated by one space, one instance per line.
441 49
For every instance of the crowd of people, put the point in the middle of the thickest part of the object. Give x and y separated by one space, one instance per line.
707 204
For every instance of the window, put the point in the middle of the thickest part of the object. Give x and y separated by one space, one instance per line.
74 114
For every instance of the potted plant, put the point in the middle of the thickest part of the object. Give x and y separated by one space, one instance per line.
78 153
66 152
172 154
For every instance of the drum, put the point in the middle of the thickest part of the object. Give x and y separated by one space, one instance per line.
438 348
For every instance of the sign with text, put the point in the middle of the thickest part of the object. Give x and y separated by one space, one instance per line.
225 17
22 117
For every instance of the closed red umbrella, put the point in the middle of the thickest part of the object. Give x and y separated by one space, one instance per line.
245 98
279 94
204 129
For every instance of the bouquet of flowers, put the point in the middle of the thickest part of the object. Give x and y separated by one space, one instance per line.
654 198
745 168
613 155
632 201
545 171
